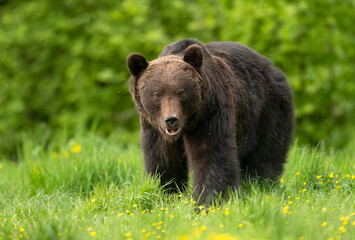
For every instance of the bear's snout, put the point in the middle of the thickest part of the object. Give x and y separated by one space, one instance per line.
173 125
172 121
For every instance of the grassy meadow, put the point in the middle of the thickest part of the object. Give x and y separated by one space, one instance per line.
88 187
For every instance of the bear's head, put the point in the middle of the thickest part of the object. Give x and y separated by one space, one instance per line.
168 91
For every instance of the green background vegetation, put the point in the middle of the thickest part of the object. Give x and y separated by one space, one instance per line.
62 63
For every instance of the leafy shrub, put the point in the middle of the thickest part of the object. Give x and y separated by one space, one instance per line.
62 63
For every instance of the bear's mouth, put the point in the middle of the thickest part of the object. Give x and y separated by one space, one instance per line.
172 131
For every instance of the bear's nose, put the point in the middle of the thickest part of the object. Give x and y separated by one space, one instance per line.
171 121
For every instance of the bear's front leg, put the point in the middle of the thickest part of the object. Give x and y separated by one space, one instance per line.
213 160
164 159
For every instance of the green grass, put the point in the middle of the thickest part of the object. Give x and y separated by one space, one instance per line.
94 188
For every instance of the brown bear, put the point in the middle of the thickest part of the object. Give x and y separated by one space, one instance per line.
221 110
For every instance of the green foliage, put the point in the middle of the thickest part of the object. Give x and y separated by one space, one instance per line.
62 63
100 189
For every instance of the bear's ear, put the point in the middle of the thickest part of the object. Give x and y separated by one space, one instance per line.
194 56
136 64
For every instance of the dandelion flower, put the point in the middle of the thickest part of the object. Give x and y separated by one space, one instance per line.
319 176
226 212
129 234
134 205
22 229
76 148
54 155
93 234
203 228
240 225
342 229
347 175
298 173
331 175
221 226
324 224
281 180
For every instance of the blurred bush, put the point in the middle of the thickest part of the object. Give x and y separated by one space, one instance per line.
62 63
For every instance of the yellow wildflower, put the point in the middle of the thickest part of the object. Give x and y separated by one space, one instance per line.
203 228
298 173
281 180
240 225
75 148
22 229
129 234
319 176
54 155
93 234
331 175
324 224
172 216
342 229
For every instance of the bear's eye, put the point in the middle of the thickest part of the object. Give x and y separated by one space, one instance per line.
157 95
181 92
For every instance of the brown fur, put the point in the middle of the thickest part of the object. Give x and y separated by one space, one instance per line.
221 110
